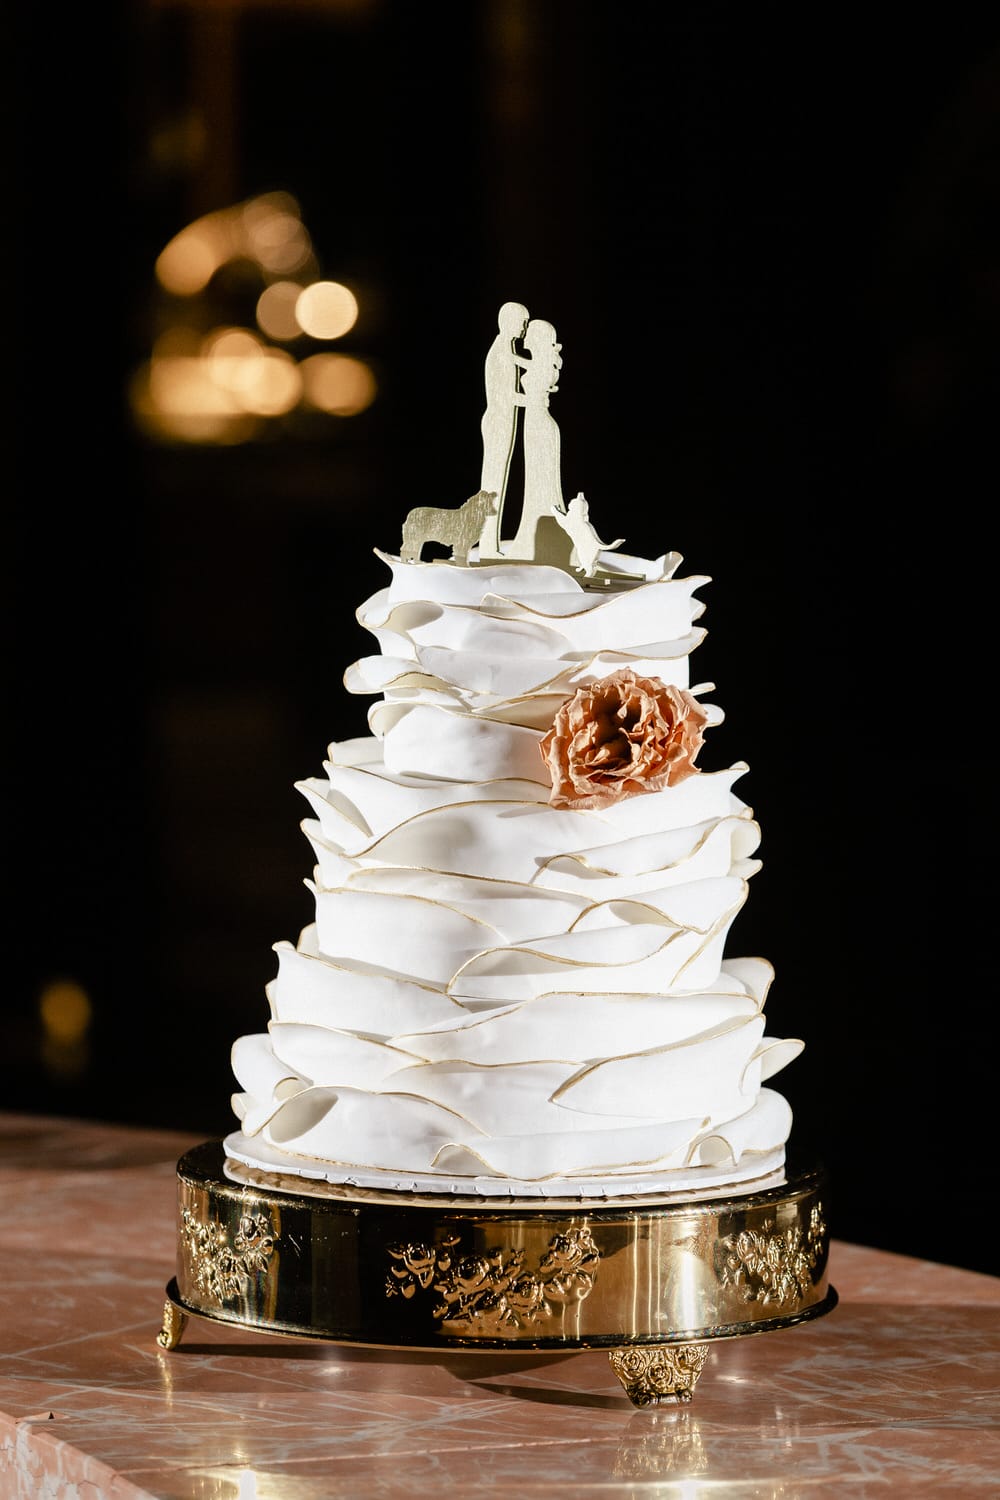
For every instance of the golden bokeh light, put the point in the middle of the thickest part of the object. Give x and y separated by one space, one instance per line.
338 384
259 379
180 386
188 262
266 230
65 1010
276 310
276 237
326 310
222 387
226 344
174 397
276 385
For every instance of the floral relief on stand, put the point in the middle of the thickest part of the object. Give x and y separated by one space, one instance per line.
493 1293
222 1266
772 1266
659 1373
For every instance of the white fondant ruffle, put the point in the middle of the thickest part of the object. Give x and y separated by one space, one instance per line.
495 989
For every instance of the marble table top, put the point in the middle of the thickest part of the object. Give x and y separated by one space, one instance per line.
896 1392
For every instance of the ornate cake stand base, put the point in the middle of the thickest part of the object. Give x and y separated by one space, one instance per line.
652 1280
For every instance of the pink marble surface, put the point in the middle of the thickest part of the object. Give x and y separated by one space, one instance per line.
894 1393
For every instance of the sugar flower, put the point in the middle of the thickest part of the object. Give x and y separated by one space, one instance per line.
621 736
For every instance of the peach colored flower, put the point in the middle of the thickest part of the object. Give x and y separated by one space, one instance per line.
620 736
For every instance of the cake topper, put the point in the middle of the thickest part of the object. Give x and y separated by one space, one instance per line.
548 530
587 545
458 529
531 380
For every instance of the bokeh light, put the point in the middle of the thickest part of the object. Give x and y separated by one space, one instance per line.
173 397
260 379
187 264
266 230
326 310
276 310
221 387
275 236
338 384
65 1010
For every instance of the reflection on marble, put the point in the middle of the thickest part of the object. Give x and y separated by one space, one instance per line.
896 1392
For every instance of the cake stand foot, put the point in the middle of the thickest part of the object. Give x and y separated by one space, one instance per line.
655 1374
174 1323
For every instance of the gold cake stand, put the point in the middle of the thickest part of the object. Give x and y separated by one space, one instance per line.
654 1280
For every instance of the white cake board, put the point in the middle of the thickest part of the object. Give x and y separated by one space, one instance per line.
256 1153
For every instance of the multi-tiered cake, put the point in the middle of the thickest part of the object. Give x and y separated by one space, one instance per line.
524 880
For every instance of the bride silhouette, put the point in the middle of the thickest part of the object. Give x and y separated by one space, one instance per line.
542 479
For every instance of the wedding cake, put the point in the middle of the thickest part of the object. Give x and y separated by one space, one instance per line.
516 982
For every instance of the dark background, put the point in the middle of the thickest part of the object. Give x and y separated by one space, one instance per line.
769 240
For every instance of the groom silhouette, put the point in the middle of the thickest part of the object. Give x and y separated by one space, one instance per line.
502 373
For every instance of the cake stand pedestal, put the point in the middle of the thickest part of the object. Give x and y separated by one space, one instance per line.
654 1281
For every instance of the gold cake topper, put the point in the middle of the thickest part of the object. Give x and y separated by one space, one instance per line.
519 382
